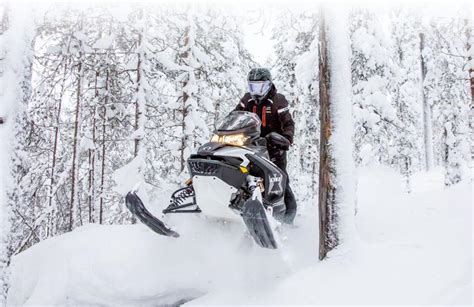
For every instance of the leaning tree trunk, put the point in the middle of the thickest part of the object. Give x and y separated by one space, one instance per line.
336 202
427 121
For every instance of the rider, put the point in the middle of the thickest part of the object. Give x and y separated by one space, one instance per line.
273 110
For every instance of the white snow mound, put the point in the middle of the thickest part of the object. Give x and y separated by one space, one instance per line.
410 249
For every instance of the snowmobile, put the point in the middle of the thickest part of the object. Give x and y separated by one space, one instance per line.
231 177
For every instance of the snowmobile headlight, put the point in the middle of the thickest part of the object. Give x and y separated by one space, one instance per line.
231 139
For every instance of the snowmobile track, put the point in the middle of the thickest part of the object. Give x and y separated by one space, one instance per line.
255 219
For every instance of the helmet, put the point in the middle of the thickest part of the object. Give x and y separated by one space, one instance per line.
259 82
259 74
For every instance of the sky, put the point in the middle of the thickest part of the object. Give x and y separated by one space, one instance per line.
260 17
258 32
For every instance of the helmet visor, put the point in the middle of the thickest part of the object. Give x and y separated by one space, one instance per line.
259 88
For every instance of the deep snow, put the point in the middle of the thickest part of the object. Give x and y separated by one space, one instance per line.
410 249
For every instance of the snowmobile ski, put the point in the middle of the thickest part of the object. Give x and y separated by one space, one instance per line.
255 219
136 206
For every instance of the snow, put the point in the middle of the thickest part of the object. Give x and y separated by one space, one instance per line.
104 42
304 76
127 177
258 24
405 254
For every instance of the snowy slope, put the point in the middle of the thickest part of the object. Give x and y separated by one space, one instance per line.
411 249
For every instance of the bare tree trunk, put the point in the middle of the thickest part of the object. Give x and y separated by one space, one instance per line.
138 111
51 202
102 175
91 160
75 145
184 139
92 156
327 216
427 121
138 104
336 165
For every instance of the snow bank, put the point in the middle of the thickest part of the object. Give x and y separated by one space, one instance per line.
413 249
130 265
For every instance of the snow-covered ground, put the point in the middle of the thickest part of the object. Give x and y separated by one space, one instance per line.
410 249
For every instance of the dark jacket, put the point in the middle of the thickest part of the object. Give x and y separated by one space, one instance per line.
273 111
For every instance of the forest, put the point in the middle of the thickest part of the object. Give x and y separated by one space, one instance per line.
97 98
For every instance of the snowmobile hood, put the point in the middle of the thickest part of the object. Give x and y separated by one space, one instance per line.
209 148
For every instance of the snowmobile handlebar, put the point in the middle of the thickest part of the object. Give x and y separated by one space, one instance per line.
277 140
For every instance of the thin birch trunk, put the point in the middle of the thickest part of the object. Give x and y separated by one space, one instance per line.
427 121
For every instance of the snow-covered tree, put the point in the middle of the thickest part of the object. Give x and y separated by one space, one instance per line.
406 92
447 84
16 41
374 113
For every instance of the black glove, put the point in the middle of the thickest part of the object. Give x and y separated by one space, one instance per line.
277 140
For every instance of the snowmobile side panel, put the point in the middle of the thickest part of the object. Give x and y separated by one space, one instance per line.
236 152
136 206
255 219
214 196
274 179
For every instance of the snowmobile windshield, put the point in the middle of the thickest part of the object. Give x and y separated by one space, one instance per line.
239 120
237 129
